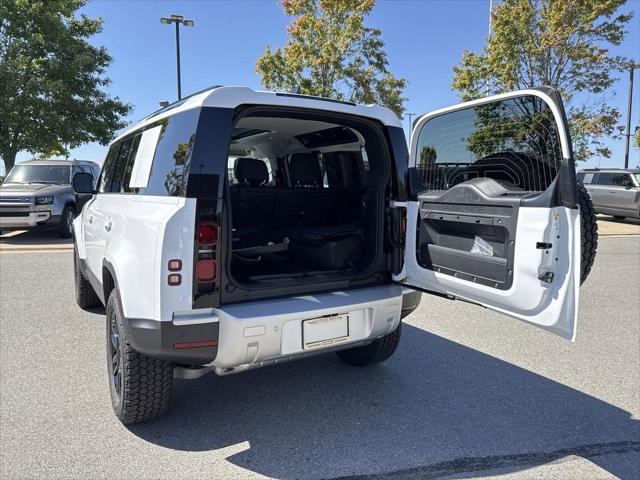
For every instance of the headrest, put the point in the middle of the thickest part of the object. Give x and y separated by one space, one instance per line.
305 170
251 171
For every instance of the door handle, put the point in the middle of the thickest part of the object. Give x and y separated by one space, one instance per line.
107 225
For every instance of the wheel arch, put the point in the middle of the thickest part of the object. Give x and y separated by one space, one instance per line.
109 279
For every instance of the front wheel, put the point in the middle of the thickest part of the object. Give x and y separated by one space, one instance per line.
140 386
378 351
65 228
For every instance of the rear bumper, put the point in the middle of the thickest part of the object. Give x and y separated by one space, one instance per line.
254 334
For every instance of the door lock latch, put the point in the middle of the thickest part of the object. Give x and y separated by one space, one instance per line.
543 245
546 277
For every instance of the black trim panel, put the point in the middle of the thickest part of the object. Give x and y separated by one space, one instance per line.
156 339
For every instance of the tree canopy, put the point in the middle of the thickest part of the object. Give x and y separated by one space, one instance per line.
560 43
53 80
331 53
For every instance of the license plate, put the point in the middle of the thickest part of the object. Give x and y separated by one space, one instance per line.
325 331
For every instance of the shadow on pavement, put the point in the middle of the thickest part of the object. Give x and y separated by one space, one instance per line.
33 238
435 408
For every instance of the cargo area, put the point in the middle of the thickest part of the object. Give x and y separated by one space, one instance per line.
307 197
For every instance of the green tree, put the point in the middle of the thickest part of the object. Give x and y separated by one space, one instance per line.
331 53
560 43
52 96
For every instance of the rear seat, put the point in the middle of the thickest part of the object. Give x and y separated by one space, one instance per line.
252 202
309 212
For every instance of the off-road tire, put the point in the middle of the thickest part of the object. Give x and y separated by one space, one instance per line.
380 350
588 233
145 383
86 296
65 230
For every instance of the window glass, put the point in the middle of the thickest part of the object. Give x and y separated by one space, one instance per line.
107 169
603 179
39 174
588 178
514 141
123 158
126 158
620 180
172 154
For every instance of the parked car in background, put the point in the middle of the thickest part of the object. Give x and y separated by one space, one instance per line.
38 194
614 191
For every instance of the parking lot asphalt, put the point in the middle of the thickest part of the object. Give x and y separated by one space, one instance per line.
469 394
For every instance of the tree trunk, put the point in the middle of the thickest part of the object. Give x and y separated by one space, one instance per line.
9 159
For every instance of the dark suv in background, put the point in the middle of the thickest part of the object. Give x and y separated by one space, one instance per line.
38 194
614 191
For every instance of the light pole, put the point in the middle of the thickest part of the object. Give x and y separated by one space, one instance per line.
410 115
177 19
629 104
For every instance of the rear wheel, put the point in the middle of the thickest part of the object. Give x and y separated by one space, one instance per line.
588 233
380 350
85 294
140 386
66 222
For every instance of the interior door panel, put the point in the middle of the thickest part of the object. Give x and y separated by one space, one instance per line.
469 232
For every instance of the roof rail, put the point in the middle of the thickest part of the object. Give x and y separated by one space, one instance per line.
177 103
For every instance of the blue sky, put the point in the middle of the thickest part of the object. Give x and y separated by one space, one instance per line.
424 39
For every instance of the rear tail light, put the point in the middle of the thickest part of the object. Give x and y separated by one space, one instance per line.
208 233
206 271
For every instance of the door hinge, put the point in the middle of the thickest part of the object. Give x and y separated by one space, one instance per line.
546 277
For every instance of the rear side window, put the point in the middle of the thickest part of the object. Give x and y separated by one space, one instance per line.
172 154
108 168
514 141
621 180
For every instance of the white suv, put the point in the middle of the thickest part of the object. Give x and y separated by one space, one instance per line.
236 229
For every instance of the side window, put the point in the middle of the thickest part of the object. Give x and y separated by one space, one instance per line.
126 158
172 154
514 141
620 179
603 179
121 164
107 169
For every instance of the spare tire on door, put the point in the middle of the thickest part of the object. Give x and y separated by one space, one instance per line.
588 233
